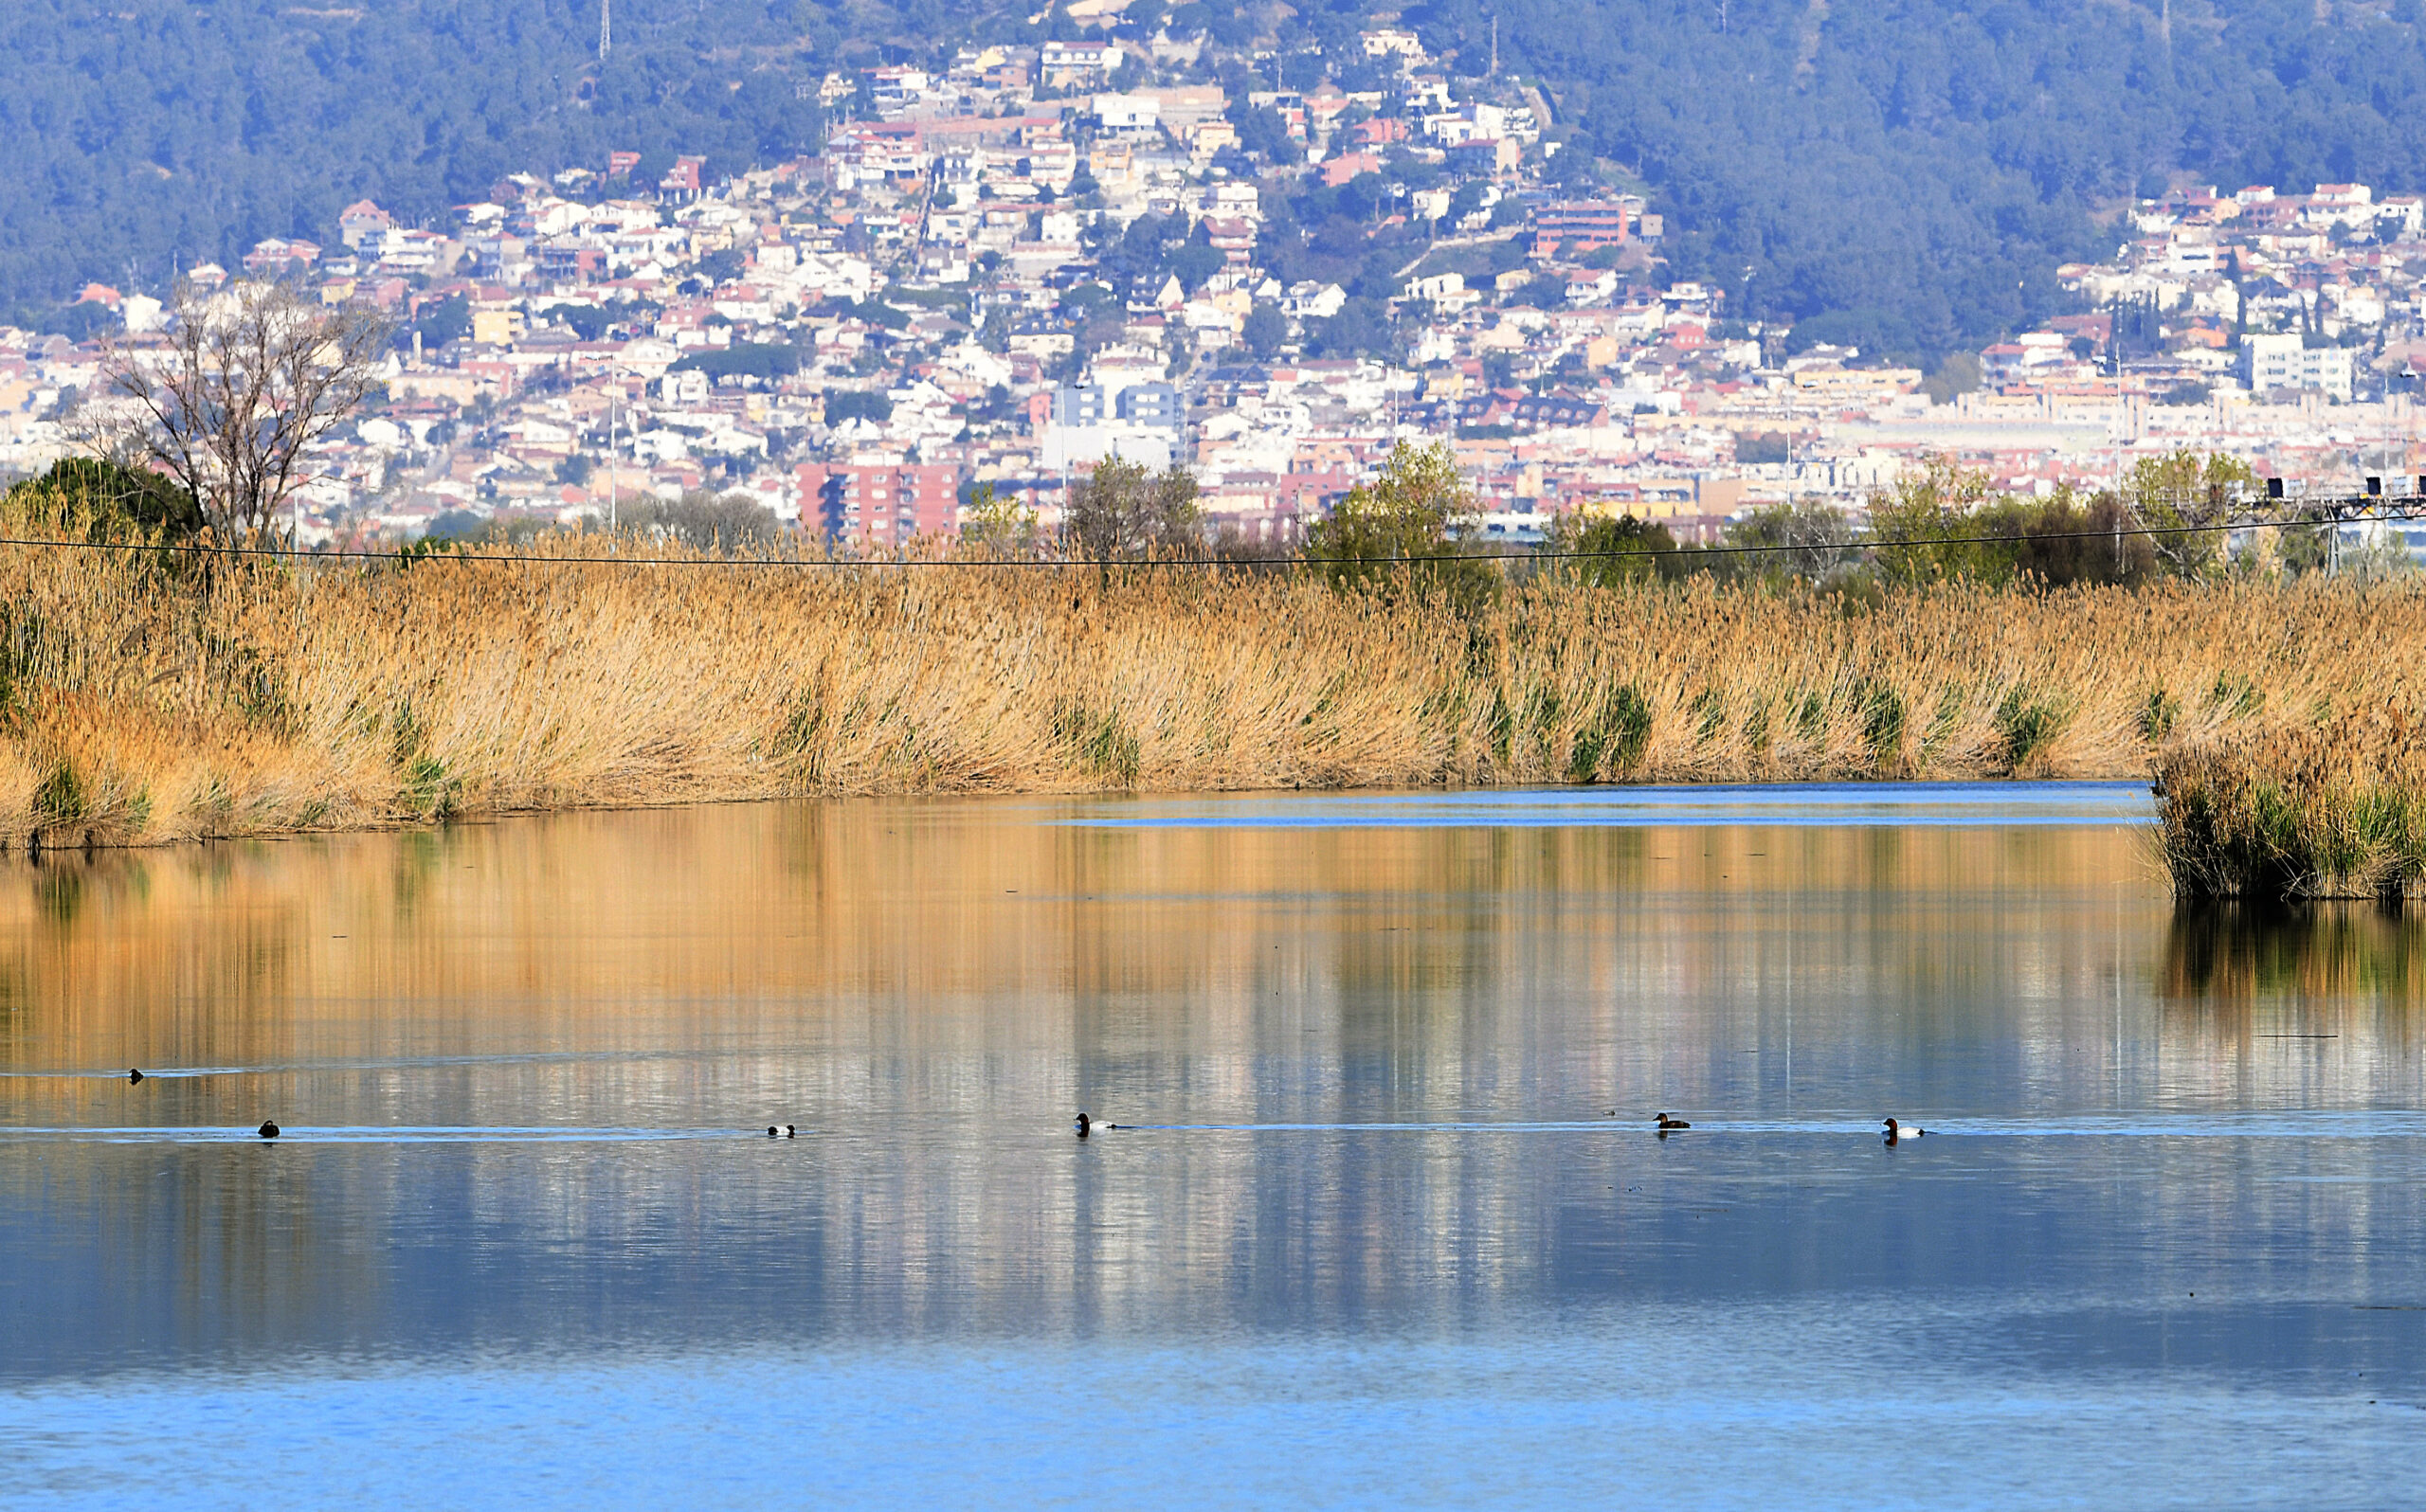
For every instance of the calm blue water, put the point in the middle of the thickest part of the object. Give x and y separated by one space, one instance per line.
1401 1233
1903 805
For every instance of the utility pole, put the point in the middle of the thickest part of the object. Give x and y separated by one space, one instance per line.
2409 387
1791 477
611 465
2115 357
605 29
1495 47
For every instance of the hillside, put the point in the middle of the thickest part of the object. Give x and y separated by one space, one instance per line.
152 129
1905 173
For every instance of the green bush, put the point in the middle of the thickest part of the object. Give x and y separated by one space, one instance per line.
1406 530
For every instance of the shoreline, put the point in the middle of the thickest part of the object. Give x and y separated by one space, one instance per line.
470 817
145 701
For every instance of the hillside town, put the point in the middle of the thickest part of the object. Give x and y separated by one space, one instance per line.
995 275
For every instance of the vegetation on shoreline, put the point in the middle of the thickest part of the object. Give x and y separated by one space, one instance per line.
152 696
2330 809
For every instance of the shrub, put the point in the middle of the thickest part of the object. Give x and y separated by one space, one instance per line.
1405 530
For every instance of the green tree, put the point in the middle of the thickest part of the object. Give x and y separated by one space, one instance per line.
1361 329
1265 329
1932 514
1405 529
1943 523
995 335
1609 550
851 403
2186 500
587 321
1957 375
1803 541
439 322
2065 540
997 527
761 360
1193 262
107 499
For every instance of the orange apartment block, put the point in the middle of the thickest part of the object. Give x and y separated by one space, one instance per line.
880 505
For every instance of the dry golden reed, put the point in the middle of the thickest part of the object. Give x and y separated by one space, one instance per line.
151 700
2330 809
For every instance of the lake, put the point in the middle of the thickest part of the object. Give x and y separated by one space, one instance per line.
1394 1226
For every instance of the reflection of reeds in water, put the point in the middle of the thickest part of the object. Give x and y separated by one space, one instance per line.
150 704
2317 1006
933 929
958 977
2354 953
2330 809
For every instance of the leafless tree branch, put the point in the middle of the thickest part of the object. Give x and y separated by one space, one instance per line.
230 400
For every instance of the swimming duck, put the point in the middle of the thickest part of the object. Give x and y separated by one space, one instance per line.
133 1074
1666 1122
1903 1131
785 1131
269 1130
1083 1123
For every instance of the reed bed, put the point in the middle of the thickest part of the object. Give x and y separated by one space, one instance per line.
154 699
2329 809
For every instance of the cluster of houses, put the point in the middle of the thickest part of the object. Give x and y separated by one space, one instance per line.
861 337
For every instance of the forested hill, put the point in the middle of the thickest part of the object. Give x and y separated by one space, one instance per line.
1909 172
1905 172
136 130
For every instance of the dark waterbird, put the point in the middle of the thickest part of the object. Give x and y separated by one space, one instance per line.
1903 1131
269 1130
1667 1122
133 1074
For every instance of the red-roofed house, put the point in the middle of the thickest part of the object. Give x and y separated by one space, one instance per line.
1338 170
362 219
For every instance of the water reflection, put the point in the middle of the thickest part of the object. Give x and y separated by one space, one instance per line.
2343 952
2136 1105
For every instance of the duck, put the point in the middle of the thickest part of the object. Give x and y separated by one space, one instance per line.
783 1131
1903 1131
134 1074
1666 1123
1082 1124
268 1130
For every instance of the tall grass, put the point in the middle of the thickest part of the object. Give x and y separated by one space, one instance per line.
151 699
2329 809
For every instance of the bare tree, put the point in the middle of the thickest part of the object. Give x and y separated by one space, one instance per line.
731 526
246 378
1123 510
